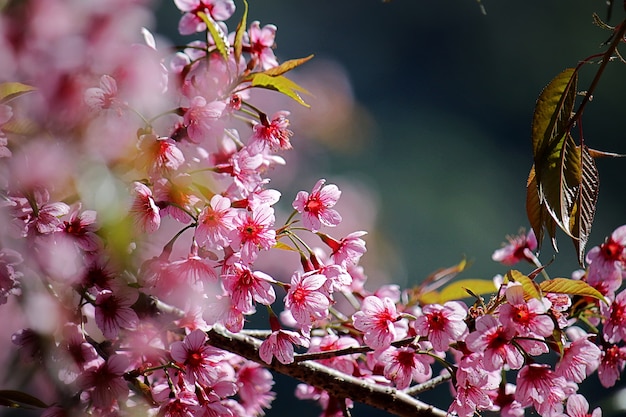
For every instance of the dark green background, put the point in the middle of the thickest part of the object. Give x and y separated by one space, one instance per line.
452 94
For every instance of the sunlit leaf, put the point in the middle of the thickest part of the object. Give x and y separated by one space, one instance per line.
278 83
537 213
220 39
241 29
12 398
531 290
601 154
552 114
458 290
9 91
570 287
585 208
20 127
287 66
283 246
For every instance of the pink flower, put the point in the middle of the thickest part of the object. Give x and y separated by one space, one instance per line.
316 207
473 386
103 97
606 263
190 23
144 210
81 226
442 324
579 360
377 320
215 223
261 43
113 311
615 325
343 363
176 197
539 386
279 345
404 364
304 299
192 273
9 276
198 358
159 156
255 388
611 365
347 251
105 384
577 406
527 317
494 341
253 231
246 286
202 119
81 354
519 248
272 134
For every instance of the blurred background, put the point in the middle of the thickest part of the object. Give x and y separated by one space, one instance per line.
424 121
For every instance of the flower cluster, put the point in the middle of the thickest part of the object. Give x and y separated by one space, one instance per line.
138 212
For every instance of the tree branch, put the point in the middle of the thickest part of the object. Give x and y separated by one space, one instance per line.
336 383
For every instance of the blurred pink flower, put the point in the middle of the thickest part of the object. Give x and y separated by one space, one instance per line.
105 383
113 310
144 210
215 223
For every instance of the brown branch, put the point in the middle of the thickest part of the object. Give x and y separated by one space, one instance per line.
336 383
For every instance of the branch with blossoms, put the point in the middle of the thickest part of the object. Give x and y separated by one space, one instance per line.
142 236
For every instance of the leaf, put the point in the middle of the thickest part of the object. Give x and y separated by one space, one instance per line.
287 66
601 154
20 127
12 398
570 287
537 213
220 39
585 208
458 290
278 83
552 114
9 91
241 29
531 290
283 246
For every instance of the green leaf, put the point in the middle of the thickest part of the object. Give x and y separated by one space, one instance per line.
584 210
278 83
531 290
571 287
9 91
537 213
20 127
283 246
241 29
16 399
552 114
220 39
287 66
458 290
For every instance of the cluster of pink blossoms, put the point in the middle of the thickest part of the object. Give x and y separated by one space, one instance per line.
135 194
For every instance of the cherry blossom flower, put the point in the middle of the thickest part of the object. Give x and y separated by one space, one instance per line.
612 365
191 23
113 311
494 341
215 223
279 344
190 273
377 320
144 210
81 226
443 324
577 406
244 168
105 384
202 119
403 365
527 317
253 232
76 354
273 134
343 363
103 97
261 43
539 386
580 358
473 386
159 156
9 275
519 248
304 299
197 357
246 286
255 387
607 262
348 250
615 325
316 207
175 197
